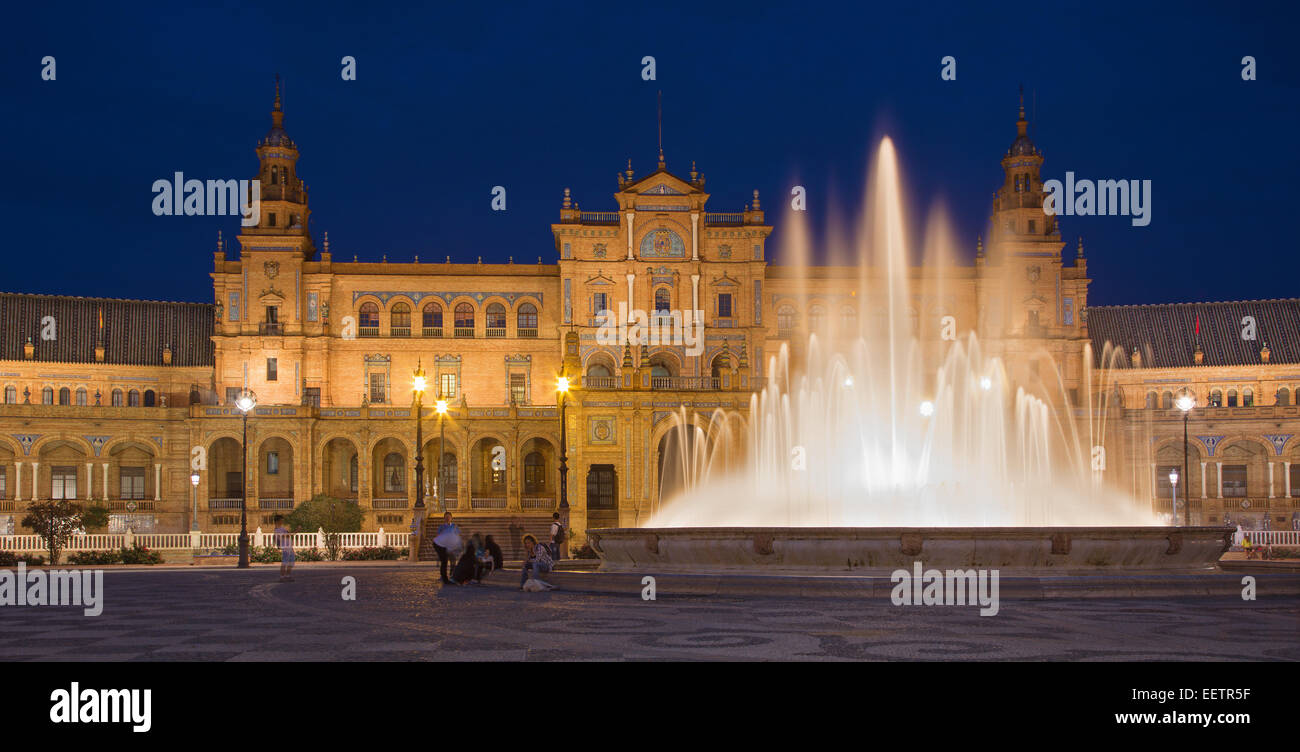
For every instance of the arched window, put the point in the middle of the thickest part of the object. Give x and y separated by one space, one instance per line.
527 317
81 396
464 320
149 398
1151 400
1283 396
785 317
47 396
65 396
133 398
1216 398
816 318
496 317
599 371
1167 400
534 473
11 395
721 364
663 300
1232 398
352 474
394 473
117 398
432 315
368 315
1248 397
399 320
448 474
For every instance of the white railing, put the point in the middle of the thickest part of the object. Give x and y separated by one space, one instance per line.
537 502
1267 537
275 503
487 502
390 503
182 541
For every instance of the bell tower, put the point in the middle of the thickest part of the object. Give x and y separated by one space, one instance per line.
283 224
1019 223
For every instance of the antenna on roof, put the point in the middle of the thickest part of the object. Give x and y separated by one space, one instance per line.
661 129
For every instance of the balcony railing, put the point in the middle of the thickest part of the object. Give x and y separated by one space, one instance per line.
367 331
684 383
724 218
125 505
601 217
275 503
270 328
464 331
487 502
495 331
526 333
431 331
389 503
537 502
399 331
8 505
225 503
600 382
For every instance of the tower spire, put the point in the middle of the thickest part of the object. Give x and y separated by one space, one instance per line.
661 129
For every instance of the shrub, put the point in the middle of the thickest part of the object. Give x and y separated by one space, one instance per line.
310 554
56 521
330 515
371 553
95 558
138 554
264 555
11 559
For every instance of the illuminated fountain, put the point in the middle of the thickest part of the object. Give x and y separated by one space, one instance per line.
863 458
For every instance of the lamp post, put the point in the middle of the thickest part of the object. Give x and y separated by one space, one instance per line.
562 386
418 386
246 401
1186 402
441 407
1173 485
194 508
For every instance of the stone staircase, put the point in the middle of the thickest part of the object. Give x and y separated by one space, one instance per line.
507 530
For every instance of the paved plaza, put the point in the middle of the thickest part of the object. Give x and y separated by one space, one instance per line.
403 613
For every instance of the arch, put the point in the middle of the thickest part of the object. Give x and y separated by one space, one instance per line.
368 315
663 299
540 467
340 466
816 317
1247 397
65 396
399 319
11 394
1167 400
431 315
117 398
225 472
1215 398
1283 396
526 316
463 315
47 395
82 396
133 398
275 472
61 474
495 315
600 365
488 468
150 398
388 468
720 364
131 473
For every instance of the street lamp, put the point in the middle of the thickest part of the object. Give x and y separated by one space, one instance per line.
441 407
1173 485
562 386
194 509
1186 402
246 401
418 385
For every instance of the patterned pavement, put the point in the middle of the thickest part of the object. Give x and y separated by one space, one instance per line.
404 614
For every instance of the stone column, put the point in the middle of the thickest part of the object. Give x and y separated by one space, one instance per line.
695 236
90 482
18 481
1286 478
1271 495
630 303
104 489
36 481
157 482
1218 471
630 216
1203 476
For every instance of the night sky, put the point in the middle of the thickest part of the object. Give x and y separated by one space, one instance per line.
452 101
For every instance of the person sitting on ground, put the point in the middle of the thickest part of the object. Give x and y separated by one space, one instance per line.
538 562
482 558
498 558
466 569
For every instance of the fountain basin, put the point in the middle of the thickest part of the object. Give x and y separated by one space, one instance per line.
880 551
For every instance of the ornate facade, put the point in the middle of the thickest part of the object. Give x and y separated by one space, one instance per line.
129 395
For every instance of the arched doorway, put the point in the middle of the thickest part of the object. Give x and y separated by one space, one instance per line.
340 469
275 475
388 471
540 474
489 468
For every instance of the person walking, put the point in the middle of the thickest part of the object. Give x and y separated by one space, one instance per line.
284 539
557 535
446 541
538 562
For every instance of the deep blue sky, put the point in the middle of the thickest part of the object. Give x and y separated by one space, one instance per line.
454 100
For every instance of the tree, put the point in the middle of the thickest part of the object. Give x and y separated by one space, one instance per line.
56 521
329 514
94 518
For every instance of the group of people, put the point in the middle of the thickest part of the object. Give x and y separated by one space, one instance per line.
480 555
